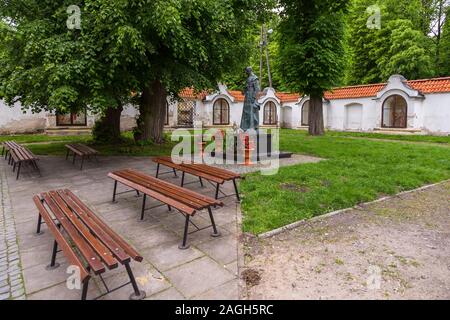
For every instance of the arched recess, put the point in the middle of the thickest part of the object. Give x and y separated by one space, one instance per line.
221 112
353 116
270 113
305 114
394 112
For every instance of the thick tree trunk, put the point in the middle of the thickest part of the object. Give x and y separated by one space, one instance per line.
108 128
153 113
316 126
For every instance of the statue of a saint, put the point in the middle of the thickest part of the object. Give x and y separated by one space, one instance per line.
250 114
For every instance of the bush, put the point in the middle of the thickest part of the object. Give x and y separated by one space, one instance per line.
104 134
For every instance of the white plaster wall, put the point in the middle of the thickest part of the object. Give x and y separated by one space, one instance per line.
336 110
430 113
436 113
14 120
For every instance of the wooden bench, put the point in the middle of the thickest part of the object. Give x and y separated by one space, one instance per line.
7 146
214 175
20 156
84 239
82 151
185 201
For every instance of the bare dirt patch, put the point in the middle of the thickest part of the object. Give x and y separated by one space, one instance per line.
397 249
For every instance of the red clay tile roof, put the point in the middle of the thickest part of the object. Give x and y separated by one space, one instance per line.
288 97
237 95
189 93
437 85
362 91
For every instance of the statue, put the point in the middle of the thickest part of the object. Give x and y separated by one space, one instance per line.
250 114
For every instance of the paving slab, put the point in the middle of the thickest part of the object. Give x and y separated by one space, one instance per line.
199 276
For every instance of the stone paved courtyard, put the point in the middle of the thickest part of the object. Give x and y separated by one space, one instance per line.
207 270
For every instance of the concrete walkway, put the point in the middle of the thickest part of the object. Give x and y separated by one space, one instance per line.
208 270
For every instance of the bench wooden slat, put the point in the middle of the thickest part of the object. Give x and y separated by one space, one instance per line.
88 253
177 189
197 169
196 200
81 149
225 174
23 154
98 247
177 193
11 145
86 216
183 168
62 242
154 194
88 149
118 239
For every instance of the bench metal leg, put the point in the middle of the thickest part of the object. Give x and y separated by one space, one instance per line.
143 207
74 156
184 245
170 208
82 162
182 179
217 191
157 170
53 264
201 182
85 289
39 224
3 151
18 170
114 192
216 233
175 173
236 190
37 168
67 154
138 294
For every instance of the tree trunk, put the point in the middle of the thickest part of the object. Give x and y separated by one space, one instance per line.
153 113
316 126
108 128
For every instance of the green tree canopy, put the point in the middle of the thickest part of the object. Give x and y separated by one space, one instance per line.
154 47
311 50
403 43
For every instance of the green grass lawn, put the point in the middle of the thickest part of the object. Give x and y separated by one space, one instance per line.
54 145
356 171
399 137
41 138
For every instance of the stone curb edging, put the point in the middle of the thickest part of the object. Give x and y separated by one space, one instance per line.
294 225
